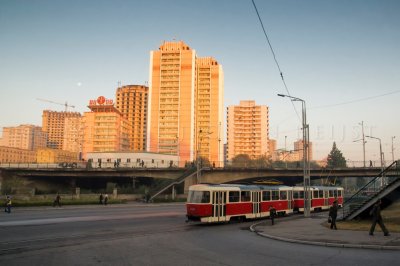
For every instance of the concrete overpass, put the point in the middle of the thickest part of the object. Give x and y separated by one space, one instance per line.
208 175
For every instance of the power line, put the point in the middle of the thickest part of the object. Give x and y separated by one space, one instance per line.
273 53
355 101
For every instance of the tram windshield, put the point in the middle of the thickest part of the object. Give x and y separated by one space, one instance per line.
199 197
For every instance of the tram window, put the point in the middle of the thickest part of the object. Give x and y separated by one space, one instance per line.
266 195
234 196
339 193
335 193
199 196
283 195
321 193
245 195
315 194
295 194
275 195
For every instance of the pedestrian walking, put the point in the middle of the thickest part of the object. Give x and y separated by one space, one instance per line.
377 219
8 204
101 199
105 199
333 214
57 201
272 214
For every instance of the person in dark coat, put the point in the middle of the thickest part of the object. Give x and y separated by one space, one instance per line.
8 204
101 198
377 219
106 199
57 201
333 214
272 214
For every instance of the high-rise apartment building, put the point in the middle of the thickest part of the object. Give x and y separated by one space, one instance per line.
73 134
54 124
171 100
28 137
105 128
298 146
181 89
131 101
247 130
209 103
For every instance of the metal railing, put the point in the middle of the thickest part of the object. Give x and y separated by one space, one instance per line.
166 184
365 195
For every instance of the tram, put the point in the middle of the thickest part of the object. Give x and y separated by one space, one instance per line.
212 203
209 203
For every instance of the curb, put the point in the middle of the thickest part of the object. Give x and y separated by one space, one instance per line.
316 243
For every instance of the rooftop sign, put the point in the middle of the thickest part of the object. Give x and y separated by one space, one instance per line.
101 100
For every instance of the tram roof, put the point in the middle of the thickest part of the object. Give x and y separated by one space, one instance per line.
296 188
238 187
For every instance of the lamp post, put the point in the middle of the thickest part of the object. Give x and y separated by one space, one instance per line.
306 161
393 148
177 150
198 165
198 173
381 157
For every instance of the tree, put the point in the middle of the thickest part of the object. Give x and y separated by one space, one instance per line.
335 158
262 162
241 160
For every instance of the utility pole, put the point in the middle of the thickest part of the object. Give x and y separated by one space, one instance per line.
363 140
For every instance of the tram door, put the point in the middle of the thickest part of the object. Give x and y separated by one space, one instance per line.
256 203
326 197
218 205
290 200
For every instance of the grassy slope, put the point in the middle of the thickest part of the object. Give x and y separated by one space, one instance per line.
391 218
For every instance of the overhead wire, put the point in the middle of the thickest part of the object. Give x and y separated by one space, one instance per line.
356 100
273 53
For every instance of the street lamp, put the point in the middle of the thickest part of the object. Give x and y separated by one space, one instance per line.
306 161
393 148
199 140
381 156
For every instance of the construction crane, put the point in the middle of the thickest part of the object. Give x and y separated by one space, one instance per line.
65 104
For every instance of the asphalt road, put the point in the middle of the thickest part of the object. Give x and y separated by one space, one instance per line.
140 234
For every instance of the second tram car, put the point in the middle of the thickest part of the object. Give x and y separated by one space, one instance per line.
322 197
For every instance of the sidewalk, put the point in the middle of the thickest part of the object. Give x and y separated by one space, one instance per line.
312 231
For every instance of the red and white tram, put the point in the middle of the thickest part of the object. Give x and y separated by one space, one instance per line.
224 202
322 197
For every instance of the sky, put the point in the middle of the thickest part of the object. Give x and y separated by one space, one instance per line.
341 57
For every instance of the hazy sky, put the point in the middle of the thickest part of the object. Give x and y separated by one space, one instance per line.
341 57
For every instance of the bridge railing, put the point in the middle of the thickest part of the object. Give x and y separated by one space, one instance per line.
371 189
43 165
